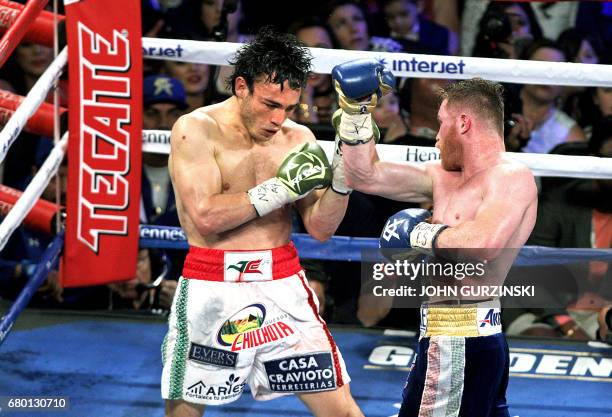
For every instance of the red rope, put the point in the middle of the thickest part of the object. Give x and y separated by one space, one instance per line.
41 122
41 215
15 33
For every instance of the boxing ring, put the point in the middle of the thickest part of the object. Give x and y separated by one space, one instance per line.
96 361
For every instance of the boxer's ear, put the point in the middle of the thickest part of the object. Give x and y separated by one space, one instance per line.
241 87
465 122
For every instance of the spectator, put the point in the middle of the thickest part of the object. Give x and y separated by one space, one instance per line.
21 71
577 213
445 13
504 29
593 104
552 126
414 31
419 98
602 97
350 29
234 34
389 119
194 19
25 247
520 16
580 49
30 61
194 77
164 102
318 100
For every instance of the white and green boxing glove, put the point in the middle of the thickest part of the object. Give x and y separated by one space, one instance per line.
359 84
304 169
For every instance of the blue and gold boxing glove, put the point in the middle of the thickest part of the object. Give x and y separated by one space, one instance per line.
359 84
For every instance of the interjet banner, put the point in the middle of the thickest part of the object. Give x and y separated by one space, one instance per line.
105 144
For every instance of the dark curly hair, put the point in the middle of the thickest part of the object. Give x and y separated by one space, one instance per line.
278 57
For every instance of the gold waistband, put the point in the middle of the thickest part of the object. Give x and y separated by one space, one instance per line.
461 320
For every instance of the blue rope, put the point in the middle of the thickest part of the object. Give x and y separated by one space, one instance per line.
343 248
47 262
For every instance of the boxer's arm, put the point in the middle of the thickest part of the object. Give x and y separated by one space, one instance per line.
322 210
505 205
365 172
197 181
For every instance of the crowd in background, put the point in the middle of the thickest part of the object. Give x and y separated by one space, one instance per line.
539 119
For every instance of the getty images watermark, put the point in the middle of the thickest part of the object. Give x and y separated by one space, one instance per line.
405 278
439 279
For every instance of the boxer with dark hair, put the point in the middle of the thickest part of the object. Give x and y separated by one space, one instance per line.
243 311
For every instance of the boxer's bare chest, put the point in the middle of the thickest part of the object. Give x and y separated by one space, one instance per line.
456 200
242 167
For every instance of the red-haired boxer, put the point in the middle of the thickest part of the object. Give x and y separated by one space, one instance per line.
243 312
483 201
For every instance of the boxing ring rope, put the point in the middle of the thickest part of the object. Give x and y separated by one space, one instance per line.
31 102
32 193
345 248
402 64
543 165
40 31
47 262
18 29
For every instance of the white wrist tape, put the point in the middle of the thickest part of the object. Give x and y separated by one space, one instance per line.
423 236
339 178
269 196
356 128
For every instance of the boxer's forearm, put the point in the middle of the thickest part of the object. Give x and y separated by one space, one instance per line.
397 181
222 212
472 240
325 215
359 166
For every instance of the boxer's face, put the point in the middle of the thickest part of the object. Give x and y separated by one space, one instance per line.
264 109
448 139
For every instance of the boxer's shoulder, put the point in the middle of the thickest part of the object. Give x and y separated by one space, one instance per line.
508 169
294 133
198 121
510 176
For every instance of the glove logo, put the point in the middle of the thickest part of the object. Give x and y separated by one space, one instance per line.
391 229
301 168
